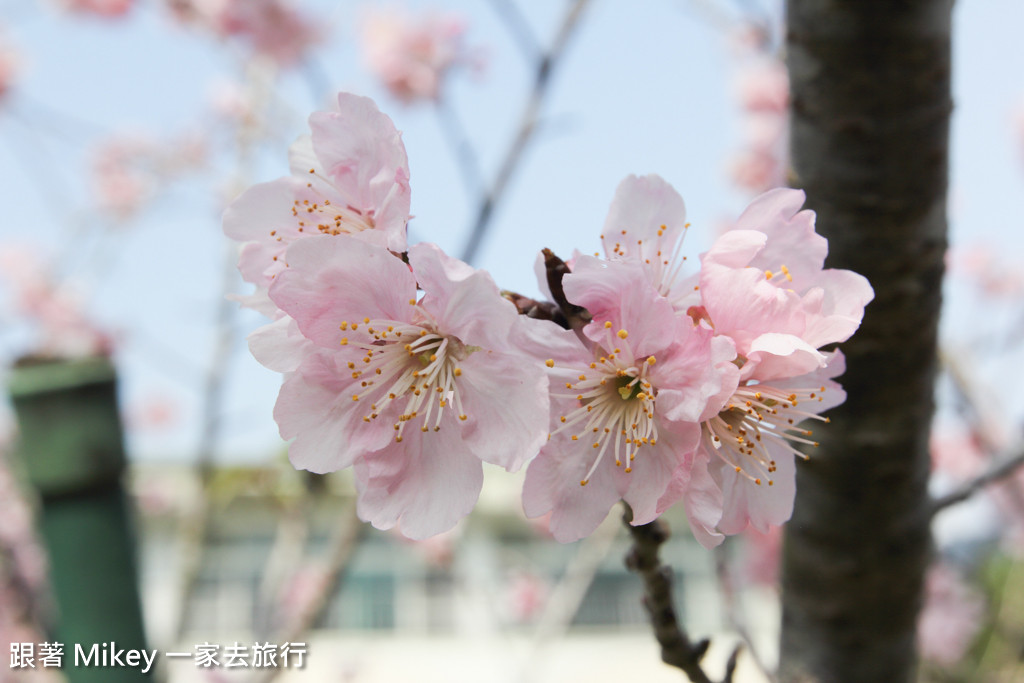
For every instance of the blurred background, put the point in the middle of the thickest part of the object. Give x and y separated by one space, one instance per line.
126 126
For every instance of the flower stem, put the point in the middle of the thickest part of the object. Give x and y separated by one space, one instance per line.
676 648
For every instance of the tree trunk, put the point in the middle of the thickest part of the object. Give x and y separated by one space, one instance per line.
870 86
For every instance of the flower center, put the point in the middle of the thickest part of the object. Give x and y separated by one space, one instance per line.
329 218
615 404
665 268
410 365
756 420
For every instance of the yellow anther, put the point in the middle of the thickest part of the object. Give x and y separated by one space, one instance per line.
768 275
608 325
623 334
550 362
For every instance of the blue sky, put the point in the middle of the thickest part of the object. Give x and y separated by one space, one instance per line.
644 88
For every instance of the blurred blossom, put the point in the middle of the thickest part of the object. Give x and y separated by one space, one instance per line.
55 308
273 28
951 617
153 413
749 38
411 55
763 85
956 453
755 169
988 270
127 170
436 551
303 592
525 595
231 101
122 185
762 92
103 8
10 64
23 570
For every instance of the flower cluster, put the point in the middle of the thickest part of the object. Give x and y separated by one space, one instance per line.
762 91
411 55
645 383
274 29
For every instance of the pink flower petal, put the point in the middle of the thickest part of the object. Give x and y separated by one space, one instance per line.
335 279
427 483
315 407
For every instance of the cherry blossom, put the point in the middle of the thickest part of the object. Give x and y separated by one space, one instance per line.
129 168
646 224
751 446
762 88
56 309
763 285
351 177
273 28
10 65
411 55
412 393
951 617
627 400
102 8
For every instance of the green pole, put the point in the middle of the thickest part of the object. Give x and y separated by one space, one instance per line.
72 450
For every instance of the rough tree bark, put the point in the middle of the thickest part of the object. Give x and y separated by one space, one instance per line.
870 86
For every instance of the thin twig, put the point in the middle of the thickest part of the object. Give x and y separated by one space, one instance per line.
568 594
732 614
454 132
197 525
999 470
519 27
676 648
338 560
527 126
730 666
987 433
286 554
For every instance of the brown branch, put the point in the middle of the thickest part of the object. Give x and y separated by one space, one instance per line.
999 470
676 648
576 317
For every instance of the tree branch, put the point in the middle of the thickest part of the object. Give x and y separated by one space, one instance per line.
732 615
527 126
999 470
869 133
676 648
